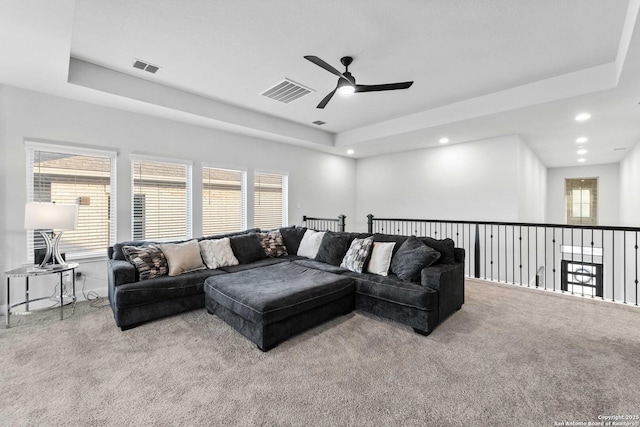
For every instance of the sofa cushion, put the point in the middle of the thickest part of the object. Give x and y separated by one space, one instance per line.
247 248
149 261
274 293
217 253
357 254
230 234
292 237
272 244
255 264
411 258
183 257
395 290
317 265
162 288
333 248
444 246
310 243
380 260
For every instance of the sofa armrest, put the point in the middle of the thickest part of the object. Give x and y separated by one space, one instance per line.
448 280
120 272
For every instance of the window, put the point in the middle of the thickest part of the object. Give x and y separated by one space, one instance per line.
223 200
581 197
73 175
161 200
270 200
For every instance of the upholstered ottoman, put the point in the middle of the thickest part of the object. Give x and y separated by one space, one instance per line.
270 304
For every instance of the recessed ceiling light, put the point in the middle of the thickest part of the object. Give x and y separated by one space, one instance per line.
350 151
582 160
582 151
443 140
582 140
583 117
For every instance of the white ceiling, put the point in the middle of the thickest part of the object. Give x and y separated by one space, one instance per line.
481 68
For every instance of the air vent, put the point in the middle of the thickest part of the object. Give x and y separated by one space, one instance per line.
141 65
287 91
620 149
319 123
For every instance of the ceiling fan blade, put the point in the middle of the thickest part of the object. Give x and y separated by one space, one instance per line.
389 86
320 63
326 99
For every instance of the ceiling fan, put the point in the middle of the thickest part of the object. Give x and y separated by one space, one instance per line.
347 83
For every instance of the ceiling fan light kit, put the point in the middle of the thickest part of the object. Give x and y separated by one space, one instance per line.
347 83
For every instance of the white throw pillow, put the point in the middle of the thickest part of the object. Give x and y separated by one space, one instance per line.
217 253
310 243
183 257
381 258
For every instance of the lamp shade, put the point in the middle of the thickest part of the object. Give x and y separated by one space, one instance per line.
50 216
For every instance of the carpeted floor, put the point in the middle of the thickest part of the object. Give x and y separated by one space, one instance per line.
510 357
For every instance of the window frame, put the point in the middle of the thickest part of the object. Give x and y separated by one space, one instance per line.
243 194
31 147
188 164
285 193
571 184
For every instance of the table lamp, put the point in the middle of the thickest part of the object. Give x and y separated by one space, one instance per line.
45 216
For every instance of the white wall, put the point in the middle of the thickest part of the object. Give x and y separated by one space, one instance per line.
608 191
630 189
532 185
321 184
471 181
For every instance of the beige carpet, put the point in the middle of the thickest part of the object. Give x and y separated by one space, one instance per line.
510 357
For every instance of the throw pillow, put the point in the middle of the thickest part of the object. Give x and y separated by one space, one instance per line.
333 247
380 261
444 246
310 243
273 244
247 248
292 238
357 254
217 253
183 257
411 258
149 261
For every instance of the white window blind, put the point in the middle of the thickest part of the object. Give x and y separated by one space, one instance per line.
270 200
223 200
72 176
161 200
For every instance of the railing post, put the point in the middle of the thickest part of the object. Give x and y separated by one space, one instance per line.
370 223
304 219
477 253
341 223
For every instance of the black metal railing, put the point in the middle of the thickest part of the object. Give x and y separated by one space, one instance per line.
325 224
596 261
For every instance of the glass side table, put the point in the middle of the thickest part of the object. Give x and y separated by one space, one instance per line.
33 271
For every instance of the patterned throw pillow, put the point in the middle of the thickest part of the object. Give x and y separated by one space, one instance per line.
357 254
149 261
273 244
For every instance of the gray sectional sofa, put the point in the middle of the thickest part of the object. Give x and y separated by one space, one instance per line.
421 303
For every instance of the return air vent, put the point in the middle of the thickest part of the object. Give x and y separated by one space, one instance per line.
319 122
141 65
287 91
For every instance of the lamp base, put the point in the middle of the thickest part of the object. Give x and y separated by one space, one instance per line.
52 250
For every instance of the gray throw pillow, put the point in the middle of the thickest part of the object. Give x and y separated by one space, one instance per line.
411 258
333 248
247 248
292 238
